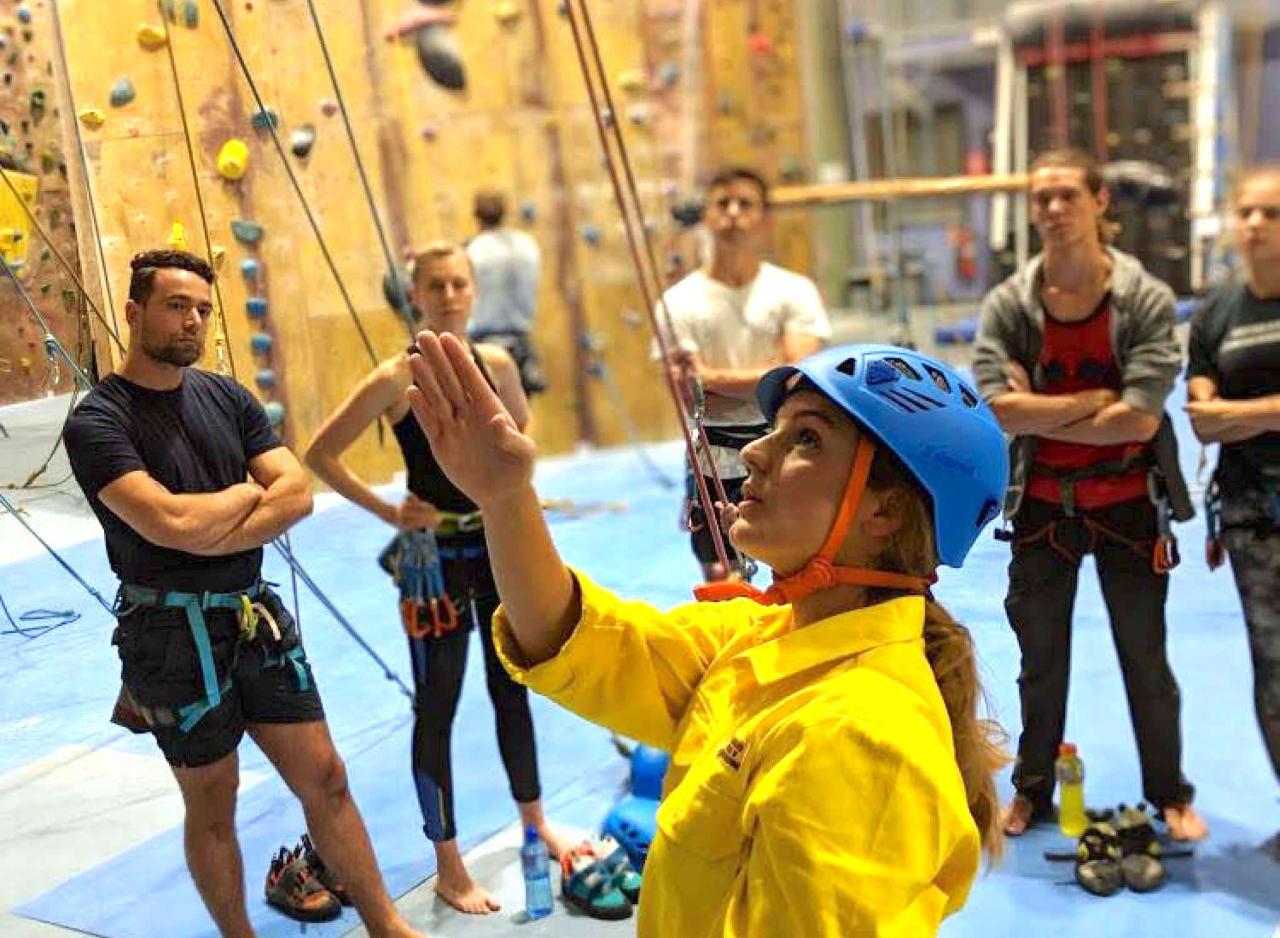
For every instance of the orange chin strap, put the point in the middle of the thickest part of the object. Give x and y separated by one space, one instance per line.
821 573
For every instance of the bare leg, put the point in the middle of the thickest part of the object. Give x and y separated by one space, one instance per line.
531 816
209 836
303 753
454 884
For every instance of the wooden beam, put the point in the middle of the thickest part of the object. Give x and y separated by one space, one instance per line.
884 190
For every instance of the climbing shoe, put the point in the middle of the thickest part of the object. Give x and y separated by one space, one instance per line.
587 885
1098 857
294 892
614 858
326 876
1142 859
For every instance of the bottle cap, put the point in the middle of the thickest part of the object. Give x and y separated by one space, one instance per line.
1068 749
530 834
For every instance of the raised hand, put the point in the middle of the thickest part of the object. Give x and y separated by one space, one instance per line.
472 436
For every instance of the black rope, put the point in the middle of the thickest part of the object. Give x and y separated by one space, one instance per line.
224 340
392 269
84 172
293 179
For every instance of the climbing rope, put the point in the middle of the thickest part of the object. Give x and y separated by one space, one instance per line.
293 180
14 510
52 346
626 193
392 267
222 341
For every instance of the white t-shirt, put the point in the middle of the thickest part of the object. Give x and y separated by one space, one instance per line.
743 327
507 266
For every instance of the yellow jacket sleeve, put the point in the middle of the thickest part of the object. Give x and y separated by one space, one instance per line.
628 666
854 835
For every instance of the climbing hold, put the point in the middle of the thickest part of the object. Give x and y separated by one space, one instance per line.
122 92
265 119
4 41
668 74
632 80
249 269
759 44
687 212
48 162
38 101
303 139
592 234
265 378
256 307
441 58
233 159
24 13
170 8
508 14
632 318
260 342
792 169
429 132
395 288
275 412
328 108
219 255
190 14
152 37
638 114
419 18
247 232
563 7
178 236
724 103
528 212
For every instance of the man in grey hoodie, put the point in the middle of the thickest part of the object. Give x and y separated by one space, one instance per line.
1076 356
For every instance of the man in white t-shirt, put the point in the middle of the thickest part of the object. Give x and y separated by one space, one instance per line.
734 319
507 266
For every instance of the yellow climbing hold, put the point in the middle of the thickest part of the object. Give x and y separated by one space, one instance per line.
633 80
93 117
508 14
233 159
219 255
152 37
178 236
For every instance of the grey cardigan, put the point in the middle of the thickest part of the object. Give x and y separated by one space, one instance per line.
1142 308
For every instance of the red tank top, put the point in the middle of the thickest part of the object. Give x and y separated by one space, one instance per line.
1077 356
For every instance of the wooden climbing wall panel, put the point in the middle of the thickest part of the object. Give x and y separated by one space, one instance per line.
32 146
522 125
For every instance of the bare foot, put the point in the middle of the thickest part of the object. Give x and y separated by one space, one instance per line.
1017 817
463 894
1185 823
557 846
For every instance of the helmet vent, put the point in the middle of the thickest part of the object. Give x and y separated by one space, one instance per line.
848 367
939 379
904 368
970 399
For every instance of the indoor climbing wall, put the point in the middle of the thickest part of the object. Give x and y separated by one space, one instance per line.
445 99
33 154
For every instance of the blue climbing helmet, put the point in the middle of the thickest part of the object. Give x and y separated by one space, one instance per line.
925 414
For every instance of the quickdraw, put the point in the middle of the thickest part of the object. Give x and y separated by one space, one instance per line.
425 607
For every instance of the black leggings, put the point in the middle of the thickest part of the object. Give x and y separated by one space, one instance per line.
438 667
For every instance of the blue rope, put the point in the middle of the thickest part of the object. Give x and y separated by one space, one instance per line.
56 617
302 574
9 507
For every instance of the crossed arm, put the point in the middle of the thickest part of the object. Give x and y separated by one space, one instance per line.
1217 420
1095 417
241 517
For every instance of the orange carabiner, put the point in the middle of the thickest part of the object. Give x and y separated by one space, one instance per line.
442 622
1165 555
412 622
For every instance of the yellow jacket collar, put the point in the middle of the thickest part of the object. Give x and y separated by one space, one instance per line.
840 636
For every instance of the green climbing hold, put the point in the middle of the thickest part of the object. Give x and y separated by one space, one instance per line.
44 290
122 93
190 14
246 232
69 300
171 10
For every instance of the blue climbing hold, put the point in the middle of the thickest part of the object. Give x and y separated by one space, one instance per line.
528 212
260 342
247 232
256 307
275 412
592 234
24 14
250 268
265 378
122 92
669 74
265 119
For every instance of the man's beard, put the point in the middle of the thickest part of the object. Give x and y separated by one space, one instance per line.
180 354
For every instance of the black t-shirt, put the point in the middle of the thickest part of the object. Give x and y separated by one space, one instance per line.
196 438
1235 340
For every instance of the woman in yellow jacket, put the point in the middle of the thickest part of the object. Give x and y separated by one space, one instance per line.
830 774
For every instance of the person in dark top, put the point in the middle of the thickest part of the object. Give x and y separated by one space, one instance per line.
1076 355
1233 391
444 290
182 468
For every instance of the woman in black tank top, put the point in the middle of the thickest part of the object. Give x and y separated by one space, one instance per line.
443 290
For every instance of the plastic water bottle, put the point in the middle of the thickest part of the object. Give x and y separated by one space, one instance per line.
538 899
1070 772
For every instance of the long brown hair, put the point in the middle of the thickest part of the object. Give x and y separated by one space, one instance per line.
979 741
